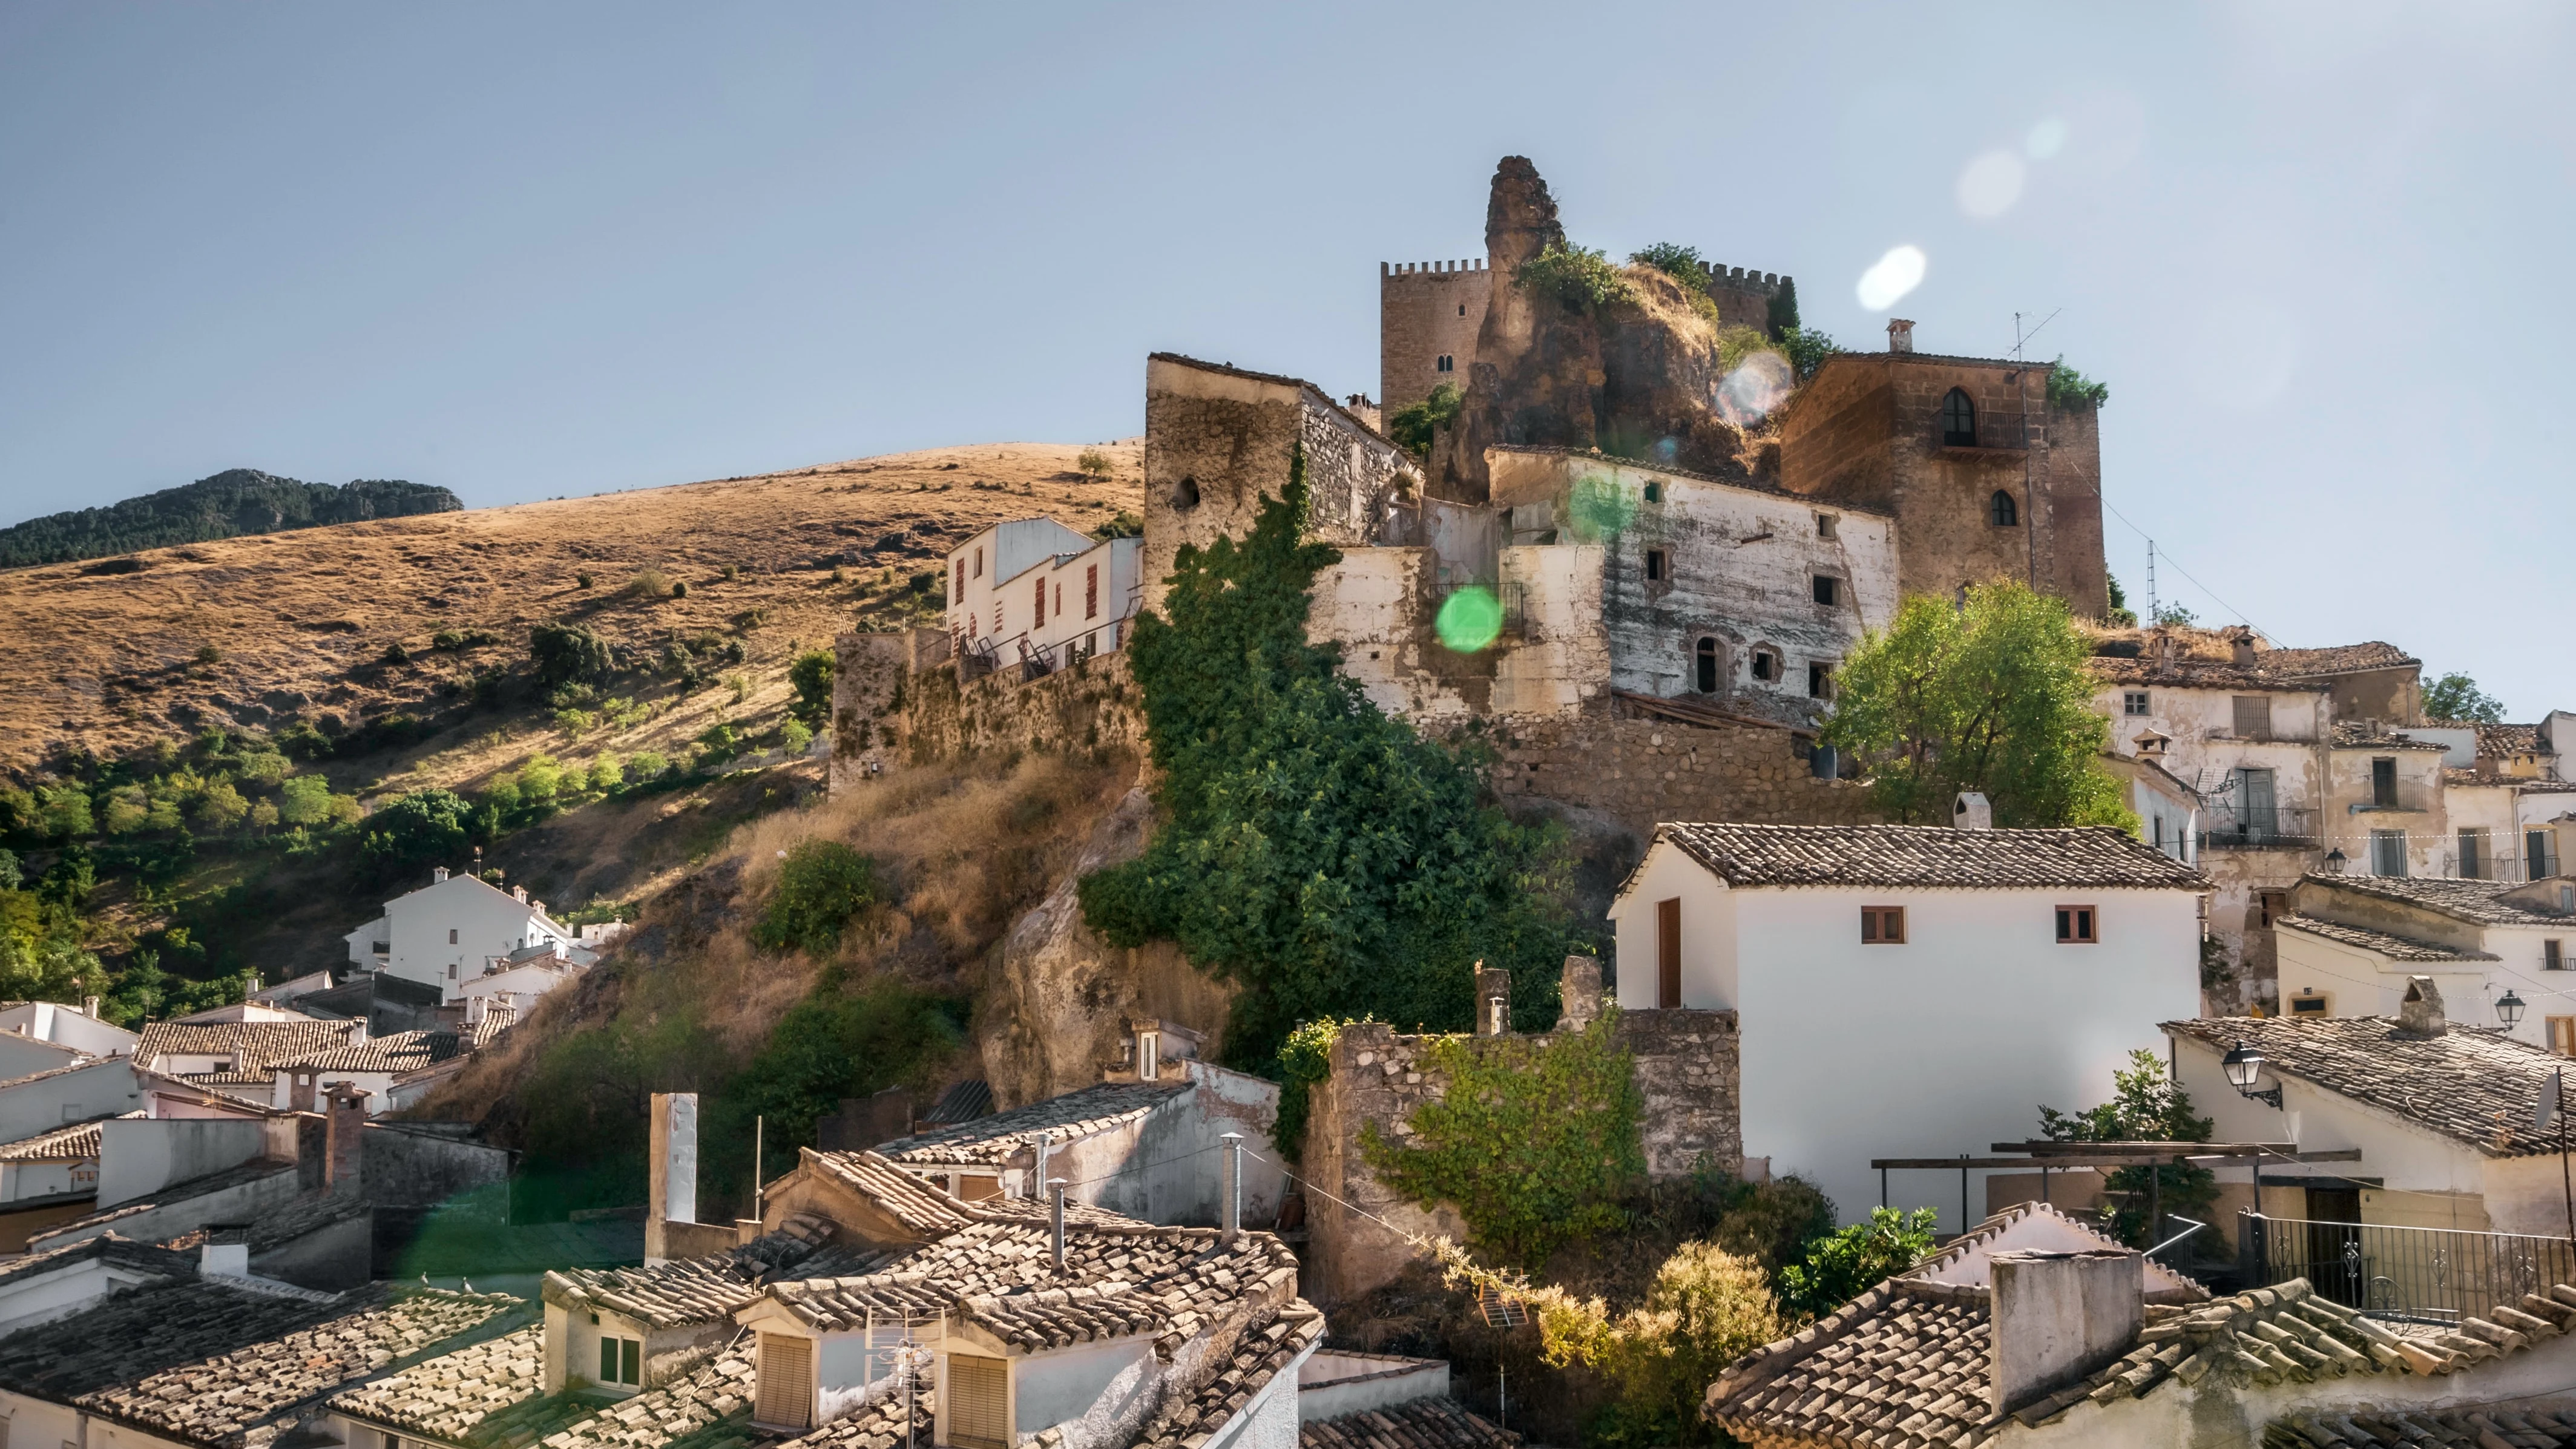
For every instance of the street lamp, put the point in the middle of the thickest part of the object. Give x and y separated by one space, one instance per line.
2335 861
2509 1009
2244 1068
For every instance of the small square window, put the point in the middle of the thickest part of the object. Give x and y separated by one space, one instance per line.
1766 665
1882 925
1824 525
2134 702
2552 958
2075 926
1654 493
1828 589
1820 681
2311 1002
1658 566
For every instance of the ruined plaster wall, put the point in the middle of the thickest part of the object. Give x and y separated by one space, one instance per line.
1420 320
1642 771
868 676
1686 1071
1381 605
1088 706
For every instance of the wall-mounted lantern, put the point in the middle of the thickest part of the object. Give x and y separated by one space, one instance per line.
2244 1068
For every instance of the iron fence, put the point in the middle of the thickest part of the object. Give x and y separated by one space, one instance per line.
2258 829
2433 1275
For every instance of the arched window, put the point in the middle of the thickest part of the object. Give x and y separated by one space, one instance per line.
1185 494
1958 421
2003 511
1708 662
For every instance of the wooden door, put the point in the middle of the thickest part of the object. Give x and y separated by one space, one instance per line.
784 1398
1668 953
977 1414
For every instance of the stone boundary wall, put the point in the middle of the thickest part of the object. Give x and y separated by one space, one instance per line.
1641 771
1687 1069
898 697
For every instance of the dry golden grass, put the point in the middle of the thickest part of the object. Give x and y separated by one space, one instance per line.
110 662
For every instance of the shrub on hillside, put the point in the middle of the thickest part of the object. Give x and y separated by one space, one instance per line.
221 807
811 675
1579 277
568 653
833 1045
419 828
304 800
648 583
822 886
1092 463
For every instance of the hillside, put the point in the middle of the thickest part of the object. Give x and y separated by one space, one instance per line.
262 631
229 504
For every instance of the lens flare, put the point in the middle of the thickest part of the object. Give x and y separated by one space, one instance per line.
1885 284
1597 509
1757 385
1991 184
1470 620
2045 140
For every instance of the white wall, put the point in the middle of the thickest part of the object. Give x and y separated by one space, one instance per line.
139 1156
443 932
102 1089
1708 932
54 1022
44 1297
22 1056
1104 1382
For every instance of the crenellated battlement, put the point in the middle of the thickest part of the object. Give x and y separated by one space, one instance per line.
1389 270
1722 275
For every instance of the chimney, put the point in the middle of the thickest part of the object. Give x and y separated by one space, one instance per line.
438 876
1493 1000
89 1007
224 1254
1971 812
1900 335
345 1110
1229 1212
519 893
1055 1218
2059 1316
1578 993
671 1172
2240 647
2151 744
2421 1010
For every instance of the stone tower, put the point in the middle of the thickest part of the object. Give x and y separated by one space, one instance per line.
1427 316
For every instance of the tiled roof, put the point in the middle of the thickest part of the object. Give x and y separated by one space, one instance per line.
717 1388
2337 659
1267 1345
84 1064
1904 1364
76 1143
705 1290
963 1102
109 1246
1746 482
2189 673
2520 1424
1434 1423
994 1140
1119 1281
147 1329
2395 948
2476 1087
1926 856
2479 902
449 1397
401 1051
2503 741
213 1182
916 1204
240 1398
2362 734
252 1044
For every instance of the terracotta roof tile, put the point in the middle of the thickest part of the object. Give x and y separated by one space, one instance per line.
2504 741
916 1204
109 1246
1927 856
996 1139
2394 947
2362 734
252 1045
449 1397
398 1052
1268 1344
2479 902
2475 1087
717 1388
2519 1423
1433 1423
708 1289
2335 659
75 1143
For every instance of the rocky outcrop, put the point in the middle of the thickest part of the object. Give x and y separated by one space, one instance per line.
1059 997
1637 378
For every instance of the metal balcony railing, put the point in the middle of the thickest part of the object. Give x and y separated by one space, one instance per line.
2429 1275
2257 829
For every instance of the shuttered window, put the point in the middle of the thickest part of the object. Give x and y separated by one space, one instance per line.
977 1414
2253 716
1668 954
785 1397
1091 591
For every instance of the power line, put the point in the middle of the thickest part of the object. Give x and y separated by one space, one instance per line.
2186 573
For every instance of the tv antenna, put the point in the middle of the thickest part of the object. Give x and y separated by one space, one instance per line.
2021 339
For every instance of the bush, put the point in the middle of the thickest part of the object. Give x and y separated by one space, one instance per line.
648 583
1305 1059
576 722
266 767
1121 525
679 588
394 653
647 765
304 742
417 829
568 654
1683 264
1706 1309
831 1046
794 737
1093 464
66 811
538 779
125 810
264 815
2072 390
209 654
304 800
1413 427
720 743
732 572
1807 349
811 675
221 807
822 886
738 687
1579 277
582 580
1843 1263
606 774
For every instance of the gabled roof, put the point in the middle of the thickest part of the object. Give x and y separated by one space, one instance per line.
109 1247
75 1143
1267 1346
453 1396
2394 947
403 1051
2195 673
2519 1423
133 1335
1433 1423
996 1139
1928 856
177 1192
2335 659
718 1387
2479 1088
920 1207
2479 902
1228 369
2503 741
253 1045
709 1289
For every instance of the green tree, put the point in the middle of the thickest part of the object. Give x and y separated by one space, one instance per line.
1326 858
416 829
1579 277
568 654
836 1043
811 675
1990 695
1414 426
1842 1263
66 811
221 807
1706 1309
1683 264
1780 317
304 800
1807 349
2146 1105
2457 697
822 886
2072 390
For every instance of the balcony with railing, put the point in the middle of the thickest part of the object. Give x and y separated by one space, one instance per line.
2231 827
2418 1275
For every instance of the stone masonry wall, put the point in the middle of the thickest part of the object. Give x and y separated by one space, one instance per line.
1686 1069
1089 706
1427 310
1642 771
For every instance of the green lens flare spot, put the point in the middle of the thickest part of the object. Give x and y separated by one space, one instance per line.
1599 509
1470 620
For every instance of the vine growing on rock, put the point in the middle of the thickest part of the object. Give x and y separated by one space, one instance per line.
1324 857
1535 1142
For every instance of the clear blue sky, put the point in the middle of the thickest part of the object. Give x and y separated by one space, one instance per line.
2319 253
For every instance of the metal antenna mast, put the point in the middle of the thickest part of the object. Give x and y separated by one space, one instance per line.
2152 616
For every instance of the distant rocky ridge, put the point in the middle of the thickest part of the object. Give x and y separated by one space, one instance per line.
227 505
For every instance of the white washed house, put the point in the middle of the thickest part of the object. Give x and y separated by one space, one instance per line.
1032 588
2352 945
1910 991
449 929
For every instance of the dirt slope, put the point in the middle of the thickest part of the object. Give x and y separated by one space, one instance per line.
264 630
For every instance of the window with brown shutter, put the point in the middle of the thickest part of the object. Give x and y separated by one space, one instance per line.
1882 925
784 1396
2075 926
1040 613
977 1411
2253 716
1091 591
1668 953
2562 1035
